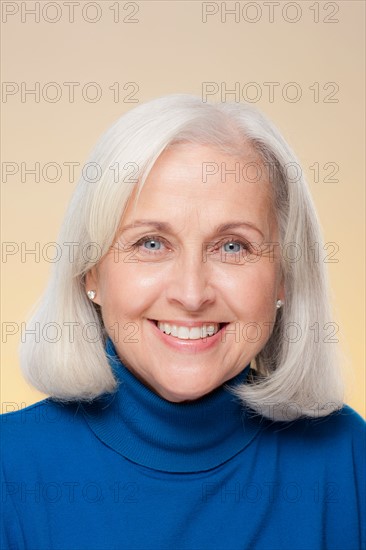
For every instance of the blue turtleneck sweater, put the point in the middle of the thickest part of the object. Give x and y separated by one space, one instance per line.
133 471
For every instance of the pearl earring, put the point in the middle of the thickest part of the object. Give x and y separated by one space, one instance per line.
91 294
279 304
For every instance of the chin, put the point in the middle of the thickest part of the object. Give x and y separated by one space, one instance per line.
186 394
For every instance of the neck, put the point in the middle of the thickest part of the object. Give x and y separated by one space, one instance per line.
157 433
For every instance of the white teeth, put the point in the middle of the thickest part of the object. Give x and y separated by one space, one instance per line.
186 333
183 333
195 333
210 330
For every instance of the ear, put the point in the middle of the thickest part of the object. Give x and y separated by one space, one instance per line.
91 283
281 289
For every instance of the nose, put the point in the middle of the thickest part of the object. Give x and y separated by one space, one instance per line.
190 283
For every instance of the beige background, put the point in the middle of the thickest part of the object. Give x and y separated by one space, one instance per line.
170 49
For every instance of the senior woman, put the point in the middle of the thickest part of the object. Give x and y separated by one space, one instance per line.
191 404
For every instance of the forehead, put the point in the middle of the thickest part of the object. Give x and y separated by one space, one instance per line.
203 182
203 167
196 155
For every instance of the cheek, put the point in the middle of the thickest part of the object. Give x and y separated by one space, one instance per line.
127 291
252 288
253 301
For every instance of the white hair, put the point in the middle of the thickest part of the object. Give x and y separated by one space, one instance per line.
299 373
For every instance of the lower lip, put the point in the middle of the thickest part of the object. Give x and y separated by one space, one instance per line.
190 346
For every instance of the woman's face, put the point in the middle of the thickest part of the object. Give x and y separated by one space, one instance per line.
194 252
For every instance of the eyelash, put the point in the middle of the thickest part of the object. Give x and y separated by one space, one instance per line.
148 238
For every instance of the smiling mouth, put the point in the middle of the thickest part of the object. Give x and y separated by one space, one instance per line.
206 330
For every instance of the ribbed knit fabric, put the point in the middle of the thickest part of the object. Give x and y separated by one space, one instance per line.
133 471
172 437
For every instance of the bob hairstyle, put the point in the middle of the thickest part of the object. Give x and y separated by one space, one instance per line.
296 371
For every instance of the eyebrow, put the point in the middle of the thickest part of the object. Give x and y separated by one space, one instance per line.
164 226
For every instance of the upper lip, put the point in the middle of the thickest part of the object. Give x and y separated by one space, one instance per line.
187 323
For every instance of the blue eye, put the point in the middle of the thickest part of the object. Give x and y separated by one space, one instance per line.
155 245
232 246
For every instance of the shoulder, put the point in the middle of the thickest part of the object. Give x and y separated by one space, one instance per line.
339 436
345 423
344 428
44 441
39 423
39 413
342 422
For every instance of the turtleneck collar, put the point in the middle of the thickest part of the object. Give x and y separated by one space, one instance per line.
173 437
